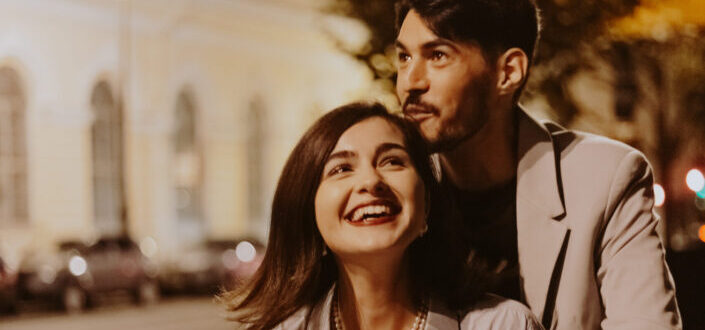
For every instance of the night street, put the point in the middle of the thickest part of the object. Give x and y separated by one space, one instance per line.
178 314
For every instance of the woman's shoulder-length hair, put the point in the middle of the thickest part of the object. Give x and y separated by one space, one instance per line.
296 272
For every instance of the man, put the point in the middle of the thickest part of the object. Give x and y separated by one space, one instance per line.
566 217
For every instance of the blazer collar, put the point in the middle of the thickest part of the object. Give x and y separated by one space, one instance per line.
537 172
540 208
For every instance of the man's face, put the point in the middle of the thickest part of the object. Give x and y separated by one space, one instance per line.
443 85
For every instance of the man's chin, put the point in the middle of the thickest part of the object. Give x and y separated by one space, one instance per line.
441 143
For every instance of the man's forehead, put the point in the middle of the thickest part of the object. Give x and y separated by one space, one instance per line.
414 31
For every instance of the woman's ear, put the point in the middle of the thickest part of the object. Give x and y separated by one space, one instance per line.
512 66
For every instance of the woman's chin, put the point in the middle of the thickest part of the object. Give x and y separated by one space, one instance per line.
376 244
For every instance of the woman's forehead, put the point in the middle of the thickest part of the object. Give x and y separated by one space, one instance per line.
369 134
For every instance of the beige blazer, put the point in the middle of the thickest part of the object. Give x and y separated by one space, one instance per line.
589 253
491 313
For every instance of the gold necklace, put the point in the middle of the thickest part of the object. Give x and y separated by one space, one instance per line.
419 321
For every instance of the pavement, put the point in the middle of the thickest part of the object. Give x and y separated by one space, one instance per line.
199 313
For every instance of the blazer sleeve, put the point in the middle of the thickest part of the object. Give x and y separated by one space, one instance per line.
635 283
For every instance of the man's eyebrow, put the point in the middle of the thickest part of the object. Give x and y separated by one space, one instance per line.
428 45
384 147
438 42
398 44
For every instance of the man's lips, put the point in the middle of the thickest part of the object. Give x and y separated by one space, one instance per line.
418 112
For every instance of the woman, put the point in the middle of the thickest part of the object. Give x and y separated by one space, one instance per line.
358 239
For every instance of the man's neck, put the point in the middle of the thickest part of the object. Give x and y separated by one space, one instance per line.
375 296
488 158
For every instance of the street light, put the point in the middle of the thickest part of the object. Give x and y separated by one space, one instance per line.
695 180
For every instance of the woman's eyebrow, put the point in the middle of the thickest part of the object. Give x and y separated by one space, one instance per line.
384 147
342 154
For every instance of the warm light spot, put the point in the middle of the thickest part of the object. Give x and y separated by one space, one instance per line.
701 233
230 259
695 180
78 265
657 18
148 247
245 251
659 195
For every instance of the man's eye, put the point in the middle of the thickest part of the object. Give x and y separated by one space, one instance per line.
438 55
403 57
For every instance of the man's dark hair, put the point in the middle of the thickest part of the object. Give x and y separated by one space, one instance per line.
495 25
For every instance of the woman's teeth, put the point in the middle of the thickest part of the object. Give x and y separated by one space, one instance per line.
370 211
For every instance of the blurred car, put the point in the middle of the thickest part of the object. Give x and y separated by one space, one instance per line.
79 273
8 288
212 266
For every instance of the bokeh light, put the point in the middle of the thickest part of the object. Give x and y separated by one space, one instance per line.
659 195
695 180
77 265
245 251
148 247
230 259
701 233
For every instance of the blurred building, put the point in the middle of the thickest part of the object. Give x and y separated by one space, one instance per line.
168 119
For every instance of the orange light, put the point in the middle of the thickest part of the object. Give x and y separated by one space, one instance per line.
701 233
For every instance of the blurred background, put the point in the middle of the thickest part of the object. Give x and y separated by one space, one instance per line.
141 140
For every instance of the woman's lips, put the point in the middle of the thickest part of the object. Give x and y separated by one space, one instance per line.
373 221
374 212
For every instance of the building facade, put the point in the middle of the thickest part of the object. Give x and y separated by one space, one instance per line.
162 119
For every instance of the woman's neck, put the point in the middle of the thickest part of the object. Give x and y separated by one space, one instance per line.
375 296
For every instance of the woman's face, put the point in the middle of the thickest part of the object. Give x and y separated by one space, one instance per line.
370 199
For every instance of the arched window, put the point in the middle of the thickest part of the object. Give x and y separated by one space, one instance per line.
13 149
106 132
187 165
255 151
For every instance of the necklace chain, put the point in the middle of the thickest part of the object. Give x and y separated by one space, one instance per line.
419 321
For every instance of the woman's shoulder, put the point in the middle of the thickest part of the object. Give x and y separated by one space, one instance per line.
310 317
495 312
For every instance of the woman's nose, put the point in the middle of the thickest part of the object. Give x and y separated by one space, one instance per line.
372 182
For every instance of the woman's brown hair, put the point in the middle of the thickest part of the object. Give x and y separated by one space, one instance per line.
296 273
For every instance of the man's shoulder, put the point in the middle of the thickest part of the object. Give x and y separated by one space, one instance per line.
588 148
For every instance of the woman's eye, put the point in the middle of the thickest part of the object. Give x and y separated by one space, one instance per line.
339 169
392 161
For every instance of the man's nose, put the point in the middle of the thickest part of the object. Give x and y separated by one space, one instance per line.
415 78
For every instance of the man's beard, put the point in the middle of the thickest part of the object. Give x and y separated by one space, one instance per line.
467 127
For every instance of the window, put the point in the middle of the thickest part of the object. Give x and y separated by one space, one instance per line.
255 148
187 163
106 133
13 150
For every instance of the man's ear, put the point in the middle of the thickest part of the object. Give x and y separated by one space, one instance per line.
511 66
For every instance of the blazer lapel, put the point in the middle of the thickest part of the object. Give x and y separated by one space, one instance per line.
539 209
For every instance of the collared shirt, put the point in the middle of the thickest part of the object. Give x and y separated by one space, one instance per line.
491 313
